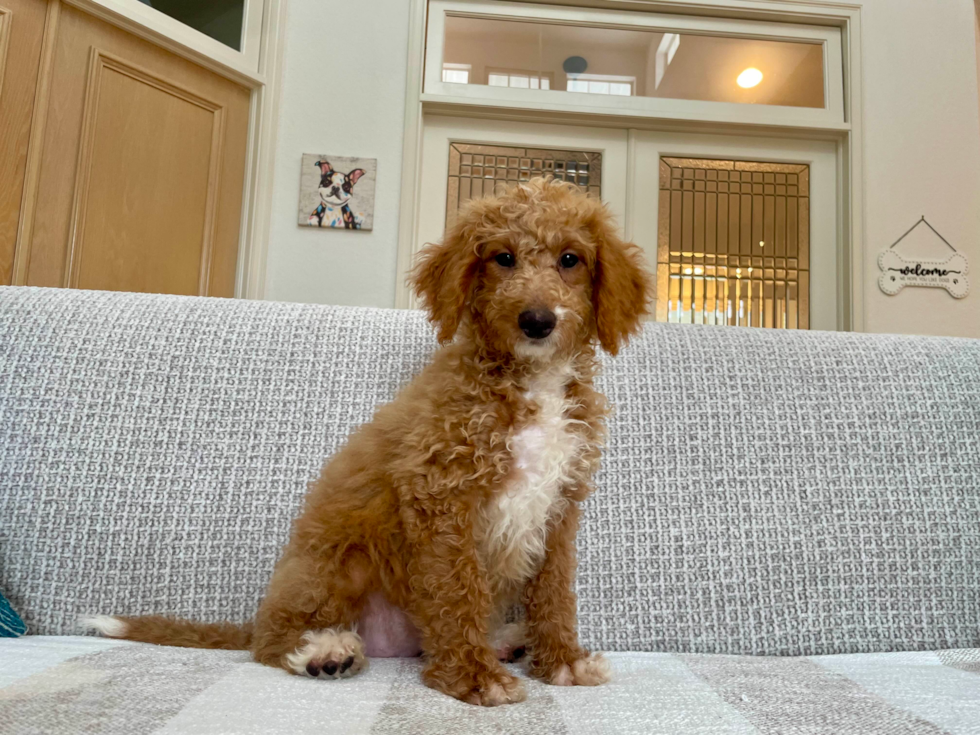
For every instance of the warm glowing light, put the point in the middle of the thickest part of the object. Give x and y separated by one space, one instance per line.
749 78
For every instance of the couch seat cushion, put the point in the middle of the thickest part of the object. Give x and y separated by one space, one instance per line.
54 684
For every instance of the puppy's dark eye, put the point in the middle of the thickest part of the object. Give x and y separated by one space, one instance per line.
505 260
568 260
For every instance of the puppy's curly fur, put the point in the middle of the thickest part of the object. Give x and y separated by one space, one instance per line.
462 496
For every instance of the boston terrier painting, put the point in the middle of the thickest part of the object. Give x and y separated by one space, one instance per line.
336 190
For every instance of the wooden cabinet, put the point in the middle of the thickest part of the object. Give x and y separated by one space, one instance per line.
134 177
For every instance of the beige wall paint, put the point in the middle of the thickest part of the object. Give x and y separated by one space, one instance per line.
344 92
922 155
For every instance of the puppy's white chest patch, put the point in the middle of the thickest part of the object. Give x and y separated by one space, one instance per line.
543 453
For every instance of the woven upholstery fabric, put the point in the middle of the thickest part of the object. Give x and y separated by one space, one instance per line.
762 492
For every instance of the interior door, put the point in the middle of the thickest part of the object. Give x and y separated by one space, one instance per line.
464 158
741 230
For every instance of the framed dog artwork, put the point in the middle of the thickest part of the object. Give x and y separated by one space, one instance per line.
337 191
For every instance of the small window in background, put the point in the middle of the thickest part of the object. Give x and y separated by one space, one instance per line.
601 84
456 73
518 78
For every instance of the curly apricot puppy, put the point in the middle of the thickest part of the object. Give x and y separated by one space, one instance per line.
461 497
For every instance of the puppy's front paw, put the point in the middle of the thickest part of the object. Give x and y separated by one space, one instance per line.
328 654
589 671
498 688
487 688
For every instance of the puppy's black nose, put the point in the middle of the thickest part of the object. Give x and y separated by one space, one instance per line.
537 323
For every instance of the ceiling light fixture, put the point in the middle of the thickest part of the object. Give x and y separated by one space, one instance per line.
749 78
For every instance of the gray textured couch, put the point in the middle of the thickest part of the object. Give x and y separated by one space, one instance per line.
785 537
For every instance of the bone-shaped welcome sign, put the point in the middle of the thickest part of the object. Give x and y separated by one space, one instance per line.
897 272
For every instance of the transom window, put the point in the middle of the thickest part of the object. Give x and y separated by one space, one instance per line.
636 63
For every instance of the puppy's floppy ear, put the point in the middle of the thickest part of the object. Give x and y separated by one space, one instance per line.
443 277
325 167
354 175
621 284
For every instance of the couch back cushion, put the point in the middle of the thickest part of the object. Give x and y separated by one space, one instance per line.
762 492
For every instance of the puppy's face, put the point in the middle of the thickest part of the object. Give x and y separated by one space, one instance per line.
537 273
336 189
532 296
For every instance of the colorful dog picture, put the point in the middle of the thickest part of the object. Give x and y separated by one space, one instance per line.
337 191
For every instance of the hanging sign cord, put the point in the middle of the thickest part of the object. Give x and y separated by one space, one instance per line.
909 232
937 234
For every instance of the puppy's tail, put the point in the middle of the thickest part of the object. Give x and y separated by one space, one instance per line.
171 632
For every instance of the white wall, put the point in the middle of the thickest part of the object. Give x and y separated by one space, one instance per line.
922 154
344 91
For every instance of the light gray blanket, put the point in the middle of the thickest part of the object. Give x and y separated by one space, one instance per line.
55 686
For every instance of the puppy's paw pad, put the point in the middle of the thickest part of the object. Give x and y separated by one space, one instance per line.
587 672
328 654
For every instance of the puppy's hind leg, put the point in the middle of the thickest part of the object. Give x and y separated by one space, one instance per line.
305 623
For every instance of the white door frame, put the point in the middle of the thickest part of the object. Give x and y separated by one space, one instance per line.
848 137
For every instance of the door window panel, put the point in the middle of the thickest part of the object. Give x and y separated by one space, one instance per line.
734 243
477 170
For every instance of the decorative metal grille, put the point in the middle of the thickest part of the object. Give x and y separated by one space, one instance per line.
477 170
734 243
